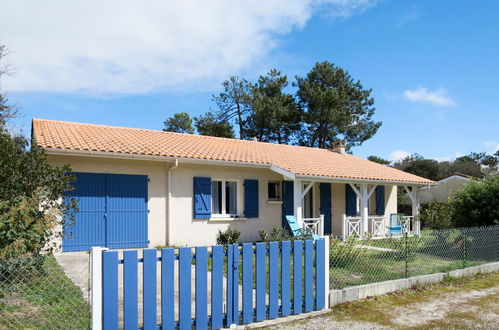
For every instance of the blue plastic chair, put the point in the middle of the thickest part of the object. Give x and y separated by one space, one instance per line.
297 230
395 225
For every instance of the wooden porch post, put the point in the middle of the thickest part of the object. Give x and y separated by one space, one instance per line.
364 211
297 193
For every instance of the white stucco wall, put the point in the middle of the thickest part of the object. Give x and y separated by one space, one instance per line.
185 230
156 171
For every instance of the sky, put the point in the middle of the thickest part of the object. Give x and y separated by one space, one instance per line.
433 66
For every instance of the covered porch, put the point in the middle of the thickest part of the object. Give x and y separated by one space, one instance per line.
345 209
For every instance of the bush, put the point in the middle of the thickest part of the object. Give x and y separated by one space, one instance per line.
278 234
229 236
436 215
31 192
477 204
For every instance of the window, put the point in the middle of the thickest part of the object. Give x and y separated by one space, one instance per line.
224 198
274 191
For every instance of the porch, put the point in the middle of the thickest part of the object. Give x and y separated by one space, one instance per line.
346 209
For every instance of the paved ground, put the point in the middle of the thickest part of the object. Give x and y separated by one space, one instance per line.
462 304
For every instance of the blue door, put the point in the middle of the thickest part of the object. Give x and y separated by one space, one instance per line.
112 212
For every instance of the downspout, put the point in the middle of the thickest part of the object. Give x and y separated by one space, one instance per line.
169 201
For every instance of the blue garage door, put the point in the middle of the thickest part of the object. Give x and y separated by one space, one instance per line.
112 212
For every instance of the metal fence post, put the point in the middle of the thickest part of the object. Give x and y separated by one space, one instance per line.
96 286
326 270
465 247
406 240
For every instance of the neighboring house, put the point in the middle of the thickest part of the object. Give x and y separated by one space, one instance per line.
444 188
144 188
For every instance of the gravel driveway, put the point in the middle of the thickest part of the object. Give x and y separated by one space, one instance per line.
465 304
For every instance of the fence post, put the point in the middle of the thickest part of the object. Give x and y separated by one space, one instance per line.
326 271
465 247
96 286
406 240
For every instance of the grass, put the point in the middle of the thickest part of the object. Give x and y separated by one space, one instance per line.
46 299
376 260
377 266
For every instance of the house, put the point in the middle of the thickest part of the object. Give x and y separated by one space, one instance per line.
144 188
444 189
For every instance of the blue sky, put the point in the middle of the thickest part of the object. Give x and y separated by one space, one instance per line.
432 65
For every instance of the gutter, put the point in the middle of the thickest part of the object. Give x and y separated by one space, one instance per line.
169 201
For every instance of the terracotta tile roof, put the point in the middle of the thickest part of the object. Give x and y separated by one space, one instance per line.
305 161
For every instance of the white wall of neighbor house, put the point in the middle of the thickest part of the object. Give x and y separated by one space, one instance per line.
185 230
157 193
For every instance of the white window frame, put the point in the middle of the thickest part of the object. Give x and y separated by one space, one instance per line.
279 199
224 213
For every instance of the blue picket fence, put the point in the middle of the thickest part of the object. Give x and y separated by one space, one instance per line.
274 279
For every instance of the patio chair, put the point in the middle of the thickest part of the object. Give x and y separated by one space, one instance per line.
298 231
395 227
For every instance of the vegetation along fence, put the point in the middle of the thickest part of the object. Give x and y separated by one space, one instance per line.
355 262
213 288
35 293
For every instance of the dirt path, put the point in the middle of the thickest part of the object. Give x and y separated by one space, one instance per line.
471 303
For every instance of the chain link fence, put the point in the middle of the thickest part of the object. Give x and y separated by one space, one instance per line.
35 293
355 262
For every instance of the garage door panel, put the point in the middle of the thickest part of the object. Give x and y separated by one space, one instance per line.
88 229
112 212
127 229
127 192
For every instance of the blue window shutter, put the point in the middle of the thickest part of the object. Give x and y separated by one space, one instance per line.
380 200
202 198
351 201
325 205
251 198
287 202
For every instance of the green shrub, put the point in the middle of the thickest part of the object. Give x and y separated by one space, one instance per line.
436 215
278 234
31 199
477 204
229 236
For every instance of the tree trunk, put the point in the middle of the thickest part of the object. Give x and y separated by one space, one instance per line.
240 118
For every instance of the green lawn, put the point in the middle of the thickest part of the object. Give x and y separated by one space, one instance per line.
366 263
43 299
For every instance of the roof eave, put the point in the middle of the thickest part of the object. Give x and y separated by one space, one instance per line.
355 180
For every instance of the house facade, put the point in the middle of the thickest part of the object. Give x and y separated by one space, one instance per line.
144 188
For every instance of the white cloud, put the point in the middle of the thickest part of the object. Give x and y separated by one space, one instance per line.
131 46
398 155
423 95
491 145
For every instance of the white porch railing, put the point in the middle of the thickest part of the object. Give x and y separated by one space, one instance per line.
316 225
352 226
377 226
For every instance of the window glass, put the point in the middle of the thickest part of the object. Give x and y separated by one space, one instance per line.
230 197
274 191
216 196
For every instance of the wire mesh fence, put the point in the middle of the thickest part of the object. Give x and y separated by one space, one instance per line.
35 293
355 262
